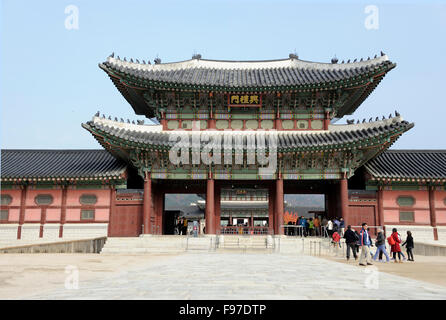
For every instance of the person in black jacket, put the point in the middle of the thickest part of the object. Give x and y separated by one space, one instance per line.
381 246
409 246
350 240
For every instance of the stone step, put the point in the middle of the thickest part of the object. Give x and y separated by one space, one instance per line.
157 244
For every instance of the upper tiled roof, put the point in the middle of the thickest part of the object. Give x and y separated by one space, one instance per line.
27 164
338 136
409 164
247 74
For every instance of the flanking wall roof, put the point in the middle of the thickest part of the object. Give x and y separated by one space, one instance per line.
59 165
409 165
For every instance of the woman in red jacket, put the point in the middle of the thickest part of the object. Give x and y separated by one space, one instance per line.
395 247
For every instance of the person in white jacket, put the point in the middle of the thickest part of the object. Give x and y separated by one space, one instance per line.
330 228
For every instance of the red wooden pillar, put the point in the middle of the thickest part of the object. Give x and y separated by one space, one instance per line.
343 193
217 208
326 120
278 121
163 120
211 122
22 210
210 209
159 210
271 207
42 220
279 206
433 211
147 204
63 210
381 207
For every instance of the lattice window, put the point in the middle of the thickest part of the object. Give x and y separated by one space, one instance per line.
6 199
43 199
405 201
408 216
88 199
87 214
4 215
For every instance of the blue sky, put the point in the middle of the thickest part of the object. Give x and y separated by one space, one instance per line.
51 83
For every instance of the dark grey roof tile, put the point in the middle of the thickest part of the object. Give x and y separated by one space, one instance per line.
59 163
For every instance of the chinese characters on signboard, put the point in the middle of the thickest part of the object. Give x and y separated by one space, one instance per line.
244 100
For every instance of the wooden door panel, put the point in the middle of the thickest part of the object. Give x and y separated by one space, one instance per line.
126 221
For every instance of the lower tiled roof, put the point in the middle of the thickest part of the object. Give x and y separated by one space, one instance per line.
59 164
338 136
409 164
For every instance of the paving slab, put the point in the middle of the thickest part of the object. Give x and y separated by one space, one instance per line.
249 276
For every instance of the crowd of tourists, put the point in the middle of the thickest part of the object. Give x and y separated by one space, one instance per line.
316 226
356 241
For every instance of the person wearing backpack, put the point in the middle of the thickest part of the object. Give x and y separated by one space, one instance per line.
394 241
380 246
336 240
409 246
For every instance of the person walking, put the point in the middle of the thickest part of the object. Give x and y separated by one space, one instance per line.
303 226
402 253
342 226
336 224
394 241
364 243
371 243
381 246
336 240
357 241
350 240
330 228
311 227
317 226
195 228
409 246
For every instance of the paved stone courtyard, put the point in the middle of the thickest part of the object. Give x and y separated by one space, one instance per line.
247 276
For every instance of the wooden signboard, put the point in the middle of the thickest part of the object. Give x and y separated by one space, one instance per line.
244 100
